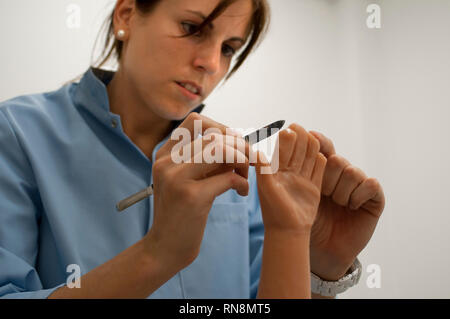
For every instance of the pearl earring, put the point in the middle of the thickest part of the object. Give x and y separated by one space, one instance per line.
120 33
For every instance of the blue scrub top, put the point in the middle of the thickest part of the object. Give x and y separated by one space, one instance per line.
64 164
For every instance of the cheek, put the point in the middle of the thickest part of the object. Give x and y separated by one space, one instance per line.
168 55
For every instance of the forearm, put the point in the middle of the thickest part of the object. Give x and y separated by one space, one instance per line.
134 273
285 271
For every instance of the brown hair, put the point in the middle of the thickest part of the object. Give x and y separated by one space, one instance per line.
257 29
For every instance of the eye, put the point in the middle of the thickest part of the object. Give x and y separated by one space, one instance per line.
189 28
228 50
192 29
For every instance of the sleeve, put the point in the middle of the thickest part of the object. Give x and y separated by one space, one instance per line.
256 237
19 228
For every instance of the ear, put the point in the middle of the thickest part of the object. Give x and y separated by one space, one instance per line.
123 13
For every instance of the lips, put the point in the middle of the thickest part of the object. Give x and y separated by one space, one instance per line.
192 87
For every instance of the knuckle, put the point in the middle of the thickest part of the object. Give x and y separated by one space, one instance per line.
339 200
328 140
352 171
372 183
233 179
337 161
358 174
334 161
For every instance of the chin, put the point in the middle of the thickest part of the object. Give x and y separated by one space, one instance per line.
176 112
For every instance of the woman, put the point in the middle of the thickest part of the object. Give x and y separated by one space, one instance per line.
72 154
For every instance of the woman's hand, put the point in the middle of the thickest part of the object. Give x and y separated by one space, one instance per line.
184 192
350 207
290 196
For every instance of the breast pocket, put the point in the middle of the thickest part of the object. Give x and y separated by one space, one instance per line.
221 269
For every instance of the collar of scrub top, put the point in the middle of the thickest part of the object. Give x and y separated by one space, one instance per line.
91 94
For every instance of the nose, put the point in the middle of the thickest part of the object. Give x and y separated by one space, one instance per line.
208 57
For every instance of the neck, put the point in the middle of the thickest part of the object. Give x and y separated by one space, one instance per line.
145 128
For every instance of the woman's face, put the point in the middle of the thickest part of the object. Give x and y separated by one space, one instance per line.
155 61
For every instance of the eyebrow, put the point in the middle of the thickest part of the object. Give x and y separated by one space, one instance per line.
201 15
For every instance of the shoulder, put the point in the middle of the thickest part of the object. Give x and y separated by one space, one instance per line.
38 110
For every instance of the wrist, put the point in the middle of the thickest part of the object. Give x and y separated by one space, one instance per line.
332 274
156 256
296 241
289 234
330 268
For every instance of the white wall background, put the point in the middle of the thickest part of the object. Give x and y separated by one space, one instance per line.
382 95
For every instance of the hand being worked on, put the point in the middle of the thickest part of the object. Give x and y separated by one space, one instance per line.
350 207
289 199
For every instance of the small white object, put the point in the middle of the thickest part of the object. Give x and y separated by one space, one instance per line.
120 33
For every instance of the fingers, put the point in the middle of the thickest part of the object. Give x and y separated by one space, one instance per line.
326 145
221 154
369 190
286 145
335 166
342 181
187 128
304 155
301 145
310 158
350 187
349 180
203 149
299 153
319 169
215 185
181 152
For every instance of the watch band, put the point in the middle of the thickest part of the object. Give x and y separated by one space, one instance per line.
332 288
